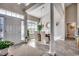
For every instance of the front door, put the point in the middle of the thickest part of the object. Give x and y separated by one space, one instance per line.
1 28
13 30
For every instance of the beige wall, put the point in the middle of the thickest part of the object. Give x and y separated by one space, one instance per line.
78 15
71 13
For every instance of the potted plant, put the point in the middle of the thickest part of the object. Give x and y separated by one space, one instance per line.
27 37
4 45
39 28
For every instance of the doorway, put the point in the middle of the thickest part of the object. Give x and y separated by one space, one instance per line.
71 28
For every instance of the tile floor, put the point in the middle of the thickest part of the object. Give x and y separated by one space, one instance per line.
62 48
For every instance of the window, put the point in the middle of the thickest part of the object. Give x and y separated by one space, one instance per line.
13 14
8 13
2 11
32 27
22 30
17 15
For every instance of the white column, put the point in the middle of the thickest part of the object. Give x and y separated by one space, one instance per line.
52 42
25 27
22 30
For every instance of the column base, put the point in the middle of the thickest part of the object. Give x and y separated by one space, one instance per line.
50 54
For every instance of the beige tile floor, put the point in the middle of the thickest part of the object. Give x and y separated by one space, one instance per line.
30 49
66 48
62 48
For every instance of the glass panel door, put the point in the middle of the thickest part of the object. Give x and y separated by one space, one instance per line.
1 28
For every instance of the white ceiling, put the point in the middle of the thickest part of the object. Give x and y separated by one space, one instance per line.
37 10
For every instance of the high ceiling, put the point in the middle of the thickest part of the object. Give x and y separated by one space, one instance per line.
36 10
15 7
26 6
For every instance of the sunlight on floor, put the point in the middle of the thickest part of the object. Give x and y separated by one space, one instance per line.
32 43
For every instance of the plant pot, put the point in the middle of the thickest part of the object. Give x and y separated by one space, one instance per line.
3 52
39 37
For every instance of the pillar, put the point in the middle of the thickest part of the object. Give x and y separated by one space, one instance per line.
52 42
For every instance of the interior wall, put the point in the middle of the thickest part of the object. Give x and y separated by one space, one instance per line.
46 17
71 13
59 17
78 15
59 21
78 18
